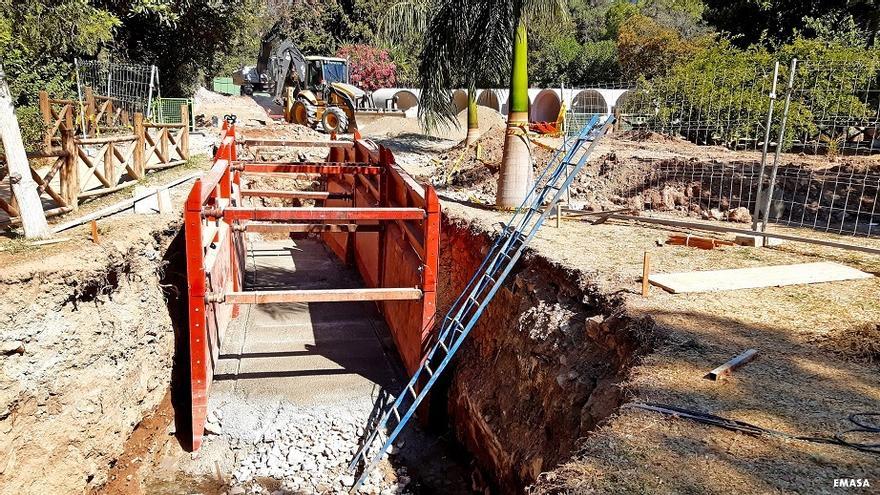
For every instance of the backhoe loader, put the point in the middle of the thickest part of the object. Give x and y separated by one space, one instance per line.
311 89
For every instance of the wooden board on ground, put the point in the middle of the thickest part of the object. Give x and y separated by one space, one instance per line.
751 278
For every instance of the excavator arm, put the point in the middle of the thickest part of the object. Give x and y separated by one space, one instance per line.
284 57
277 56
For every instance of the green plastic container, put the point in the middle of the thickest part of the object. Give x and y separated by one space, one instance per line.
224 85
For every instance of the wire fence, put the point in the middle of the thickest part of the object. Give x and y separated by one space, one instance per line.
841 199
132 86
822 106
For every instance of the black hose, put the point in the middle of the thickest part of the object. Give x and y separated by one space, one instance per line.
860 420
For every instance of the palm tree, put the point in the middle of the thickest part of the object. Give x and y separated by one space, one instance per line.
406 21
465 36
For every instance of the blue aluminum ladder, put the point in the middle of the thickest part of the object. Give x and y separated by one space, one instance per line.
489 277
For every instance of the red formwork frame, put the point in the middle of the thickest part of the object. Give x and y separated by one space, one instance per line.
373 215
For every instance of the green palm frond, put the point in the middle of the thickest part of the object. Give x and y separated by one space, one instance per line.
467 41
404 21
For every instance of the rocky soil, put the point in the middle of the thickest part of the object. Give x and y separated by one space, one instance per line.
93 343
296 450
545 362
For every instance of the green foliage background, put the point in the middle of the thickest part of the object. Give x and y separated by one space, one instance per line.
670 45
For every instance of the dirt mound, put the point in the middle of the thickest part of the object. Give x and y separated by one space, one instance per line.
643 136
284 131
396 126
95 344
207 105
861 343
473 170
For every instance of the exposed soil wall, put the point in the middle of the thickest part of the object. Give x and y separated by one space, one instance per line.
97 344
541 369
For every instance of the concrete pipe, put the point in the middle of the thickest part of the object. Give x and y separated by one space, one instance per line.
459 100
590 101
399 98
619 101
489 98
546 105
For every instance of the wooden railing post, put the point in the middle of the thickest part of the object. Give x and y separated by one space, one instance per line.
109 169
163 144
184 133
108 113
139 144
90 126
46 111
69 171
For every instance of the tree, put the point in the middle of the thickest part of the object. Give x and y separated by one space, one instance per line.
30 208
38 41
370 67
780 21
646 48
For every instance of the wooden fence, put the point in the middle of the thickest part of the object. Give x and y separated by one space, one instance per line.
81 168
96 114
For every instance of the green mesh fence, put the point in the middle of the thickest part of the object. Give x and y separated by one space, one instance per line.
167 111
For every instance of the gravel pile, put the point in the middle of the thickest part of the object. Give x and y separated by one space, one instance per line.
306 450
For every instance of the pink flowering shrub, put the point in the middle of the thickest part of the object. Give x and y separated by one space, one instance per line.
371 68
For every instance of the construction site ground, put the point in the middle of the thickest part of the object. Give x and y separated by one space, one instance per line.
817 363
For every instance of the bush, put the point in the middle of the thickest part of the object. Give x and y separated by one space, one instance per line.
371 68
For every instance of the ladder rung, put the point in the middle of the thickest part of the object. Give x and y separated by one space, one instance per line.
412 391
428 369
396 414
445 349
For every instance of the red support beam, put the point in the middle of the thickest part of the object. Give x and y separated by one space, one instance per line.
317 214
292 194
264 227
318 295
323 168
296 144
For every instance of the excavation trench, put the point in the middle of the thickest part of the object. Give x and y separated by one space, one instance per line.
541 369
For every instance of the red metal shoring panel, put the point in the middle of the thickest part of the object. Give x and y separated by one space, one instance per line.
195 274
402 201
431 267
215 185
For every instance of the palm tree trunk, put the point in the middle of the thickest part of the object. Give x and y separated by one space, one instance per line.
515 178
473 121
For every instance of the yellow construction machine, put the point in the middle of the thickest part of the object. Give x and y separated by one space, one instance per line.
312 90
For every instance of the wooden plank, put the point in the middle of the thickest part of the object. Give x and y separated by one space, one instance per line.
322 295
297 144
755 277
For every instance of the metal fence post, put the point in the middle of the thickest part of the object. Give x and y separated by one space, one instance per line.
779 145
755 220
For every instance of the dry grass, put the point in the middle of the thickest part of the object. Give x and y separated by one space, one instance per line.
861 342
799 383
